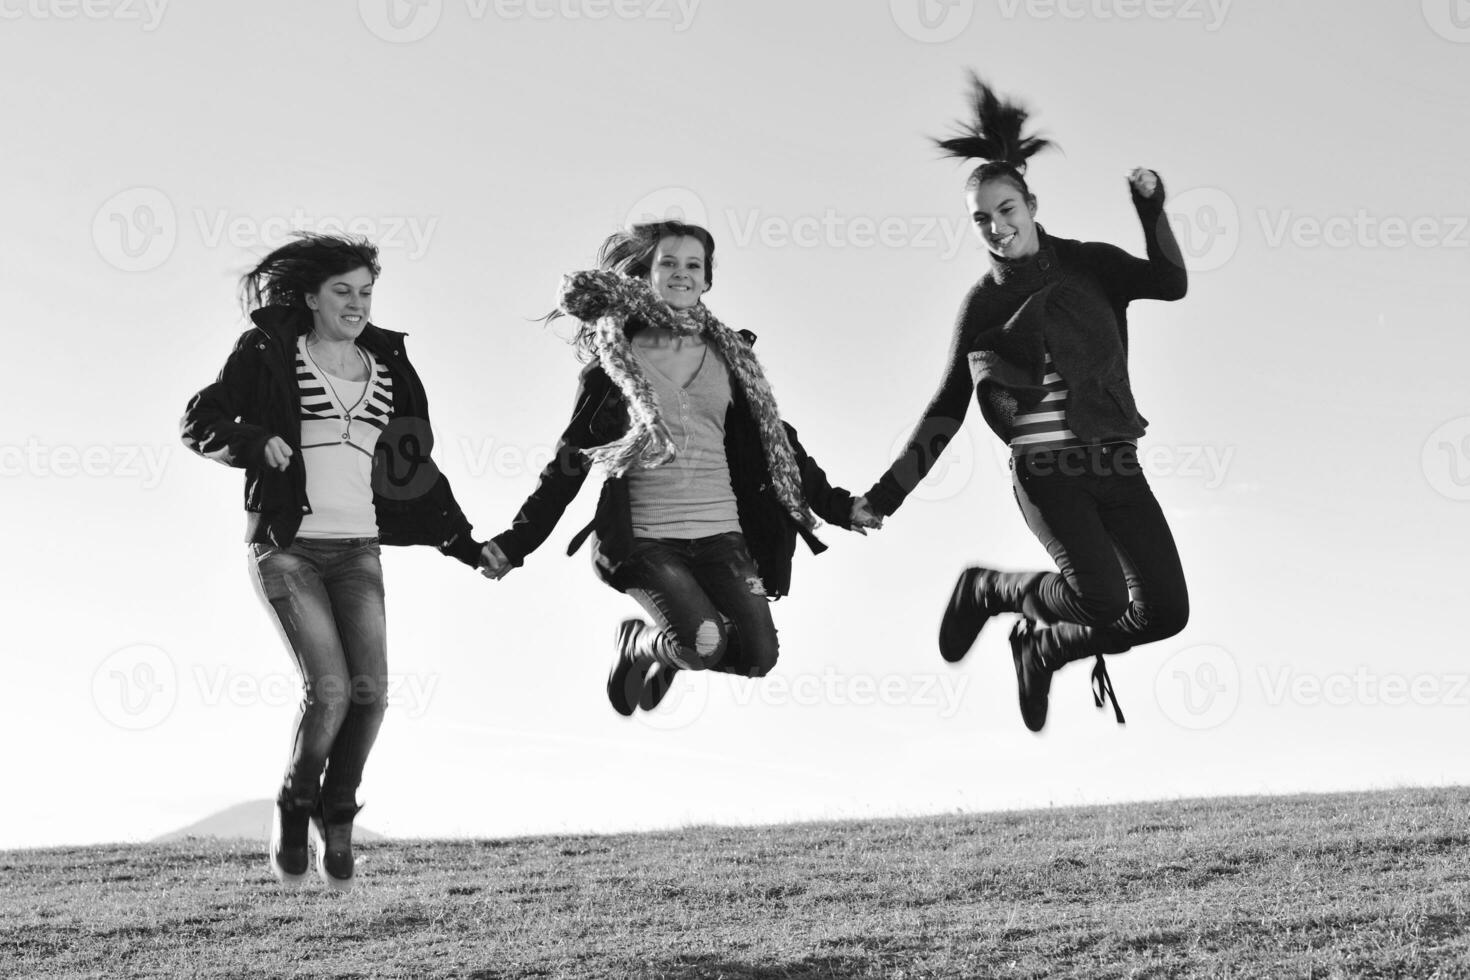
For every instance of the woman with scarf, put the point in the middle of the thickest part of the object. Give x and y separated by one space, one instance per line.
329 420
707 490
1042 342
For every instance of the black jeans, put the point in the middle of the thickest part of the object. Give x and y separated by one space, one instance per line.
707 596
1119 581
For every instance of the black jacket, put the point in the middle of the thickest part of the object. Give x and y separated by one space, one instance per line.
257 396
1012 317
600 416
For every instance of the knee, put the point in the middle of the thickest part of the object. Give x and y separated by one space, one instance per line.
1168 620
709 646
369 695
1102 607
326 699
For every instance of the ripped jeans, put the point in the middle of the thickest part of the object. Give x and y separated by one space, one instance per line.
326 599
707 595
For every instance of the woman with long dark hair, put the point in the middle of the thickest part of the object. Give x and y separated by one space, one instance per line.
329 420
707 490
1042 343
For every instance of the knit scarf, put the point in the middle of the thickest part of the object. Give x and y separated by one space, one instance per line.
606 301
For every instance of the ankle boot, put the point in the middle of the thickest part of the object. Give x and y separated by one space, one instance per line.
1038 652
333 826
635 657
978 594
289 859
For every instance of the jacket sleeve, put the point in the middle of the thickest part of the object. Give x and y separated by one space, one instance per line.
938 425
831 504
216 422
561 478
1160 276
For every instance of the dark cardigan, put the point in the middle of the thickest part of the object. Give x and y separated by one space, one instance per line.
257 396
600 416
1070 298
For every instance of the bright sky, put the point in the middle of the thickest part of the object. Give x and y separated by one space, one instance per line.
1310 435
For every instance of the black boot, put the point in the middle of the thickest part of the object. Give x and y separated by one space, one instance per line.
334 862
635 657
289 859
1038 652
978 594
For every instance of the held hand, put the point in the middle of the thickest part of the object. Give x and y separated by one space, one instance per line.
863 516
277 453
1145 182
493 563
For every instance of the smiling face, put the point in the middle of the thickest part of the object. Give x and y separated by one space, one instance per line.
1004 218
678 272
340 308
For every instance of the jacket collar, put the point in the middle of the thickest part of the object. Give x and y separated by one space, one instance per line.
1029 273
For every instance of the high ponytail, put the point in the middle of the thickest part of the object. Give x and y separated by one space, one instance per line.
995 134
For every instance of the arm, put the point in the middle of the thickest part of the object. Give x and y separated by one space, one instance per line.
1162 275
215 421
939 424
831 504
562 478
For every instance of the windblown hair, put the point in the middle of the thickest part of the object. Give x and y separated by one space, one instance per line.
630 252
286 275
995 134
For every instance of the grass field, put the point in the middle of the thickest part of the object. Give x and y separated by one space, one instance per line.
1351 885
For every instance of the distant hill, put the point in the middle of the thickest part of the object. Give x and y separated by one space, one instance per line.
250 820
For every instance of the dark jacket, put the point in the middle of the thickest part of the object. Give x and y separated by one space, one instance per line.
257 396
1070 298
600 416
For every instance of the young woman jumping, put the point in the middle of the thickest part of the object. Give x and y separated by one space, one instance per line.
707 490
1042 343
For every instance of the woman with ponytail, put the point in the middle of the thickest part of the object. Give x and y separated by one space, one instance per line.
707 489
1042 342
323 411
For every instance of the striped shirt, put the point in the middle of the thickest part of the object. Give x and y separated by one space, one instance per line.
341 421
1045 426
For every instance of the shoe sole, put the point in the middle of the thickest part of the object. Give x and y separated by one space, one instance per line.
1017 657
656 684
